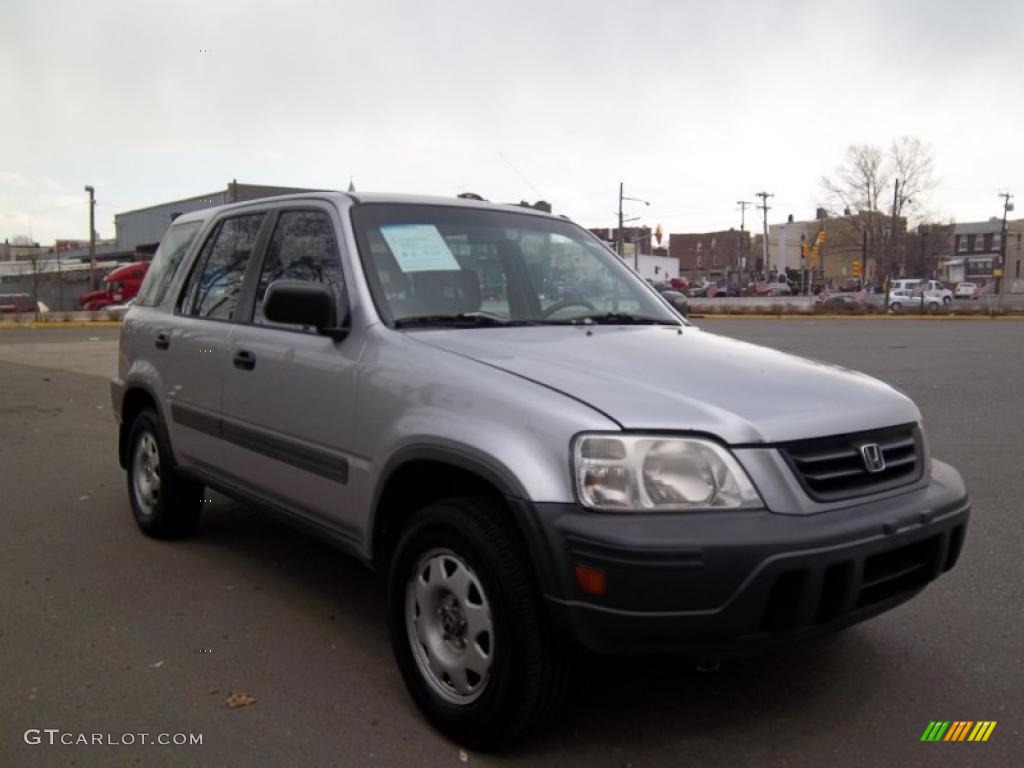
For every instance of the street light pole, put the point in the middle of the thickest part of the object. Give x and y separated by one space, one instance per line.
92 236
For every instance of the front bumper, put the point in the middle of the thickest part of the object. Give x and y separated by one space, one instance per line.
726 583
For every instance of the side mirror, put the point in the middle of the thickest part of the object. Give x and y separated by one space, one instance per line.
299 302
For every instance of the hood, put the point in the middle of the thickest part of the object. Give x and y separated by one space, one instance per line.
656 378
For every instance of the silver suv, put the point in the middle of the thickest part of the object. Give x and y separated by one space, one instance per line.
484 403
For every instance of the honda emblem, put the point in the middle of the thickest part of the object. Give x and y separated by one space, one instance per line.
874 460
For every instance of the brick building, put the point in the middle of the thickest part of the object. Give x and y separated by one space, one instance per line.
710 254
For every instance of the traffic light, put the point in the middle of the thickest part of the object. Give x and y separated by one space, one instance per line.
658 234
856 268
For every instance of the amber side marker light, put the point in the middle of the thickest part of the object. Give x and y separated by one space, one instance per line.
591 580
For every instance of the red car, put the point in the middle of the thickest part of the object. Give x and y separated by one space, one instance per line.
17 302
119 286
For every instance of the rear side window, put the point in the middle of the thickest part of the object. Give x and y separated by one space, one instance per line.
303 247
165 263
216 281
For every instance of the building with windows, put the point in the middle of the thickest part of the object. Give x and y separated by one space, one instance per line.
711 254
838 247
977 246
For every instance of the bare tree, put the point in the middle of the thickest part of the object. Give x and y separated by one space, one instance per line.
858 182
862 182
861 186
911 164
22 240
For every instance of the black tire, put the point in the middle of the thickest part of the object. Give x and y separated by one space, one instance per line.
895 306
173 510
529 673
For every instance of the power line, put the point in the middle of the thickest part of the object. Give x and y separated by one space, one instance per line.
522 176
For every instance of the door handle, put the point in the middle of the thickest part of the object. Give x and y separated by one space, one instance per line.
163 341
245 360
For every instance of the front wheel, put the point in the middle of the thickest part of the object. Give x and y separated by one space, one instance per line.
895 306
467 625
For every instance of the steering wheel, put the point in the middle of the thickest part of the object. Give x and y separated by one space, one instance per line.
558 306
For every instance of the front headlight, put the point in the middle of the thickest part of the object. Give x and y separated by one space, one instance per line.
637 473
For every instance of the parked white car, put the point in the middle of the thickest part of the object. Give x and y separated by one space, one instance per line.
901 298
932 289
966 291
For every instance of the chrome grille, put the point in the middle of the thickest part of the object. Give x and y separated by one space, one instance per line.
837 467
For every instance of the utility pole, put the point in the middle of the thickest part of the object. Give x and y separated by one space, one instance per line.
892 226
739 238
864 258
618 232
618 237
92 236
743 213
60 280
1007 207
890 249
764 244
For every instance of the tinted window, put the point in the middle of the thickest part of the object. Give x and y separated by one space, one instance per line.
302 248
165 263
216 281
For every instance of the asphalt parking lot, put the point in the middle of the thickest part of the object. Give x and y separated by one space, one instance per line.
105 631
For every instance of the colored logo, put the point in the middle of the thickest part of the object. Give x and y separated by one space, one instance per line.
958 730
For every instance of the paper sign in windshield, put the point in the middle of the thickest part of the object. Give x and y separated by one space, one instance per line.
419 248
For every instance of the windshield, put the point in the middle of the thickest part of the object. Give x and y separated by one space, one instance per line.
466 267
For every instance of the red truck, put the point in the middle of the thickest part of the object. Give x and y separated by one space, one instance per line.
119 286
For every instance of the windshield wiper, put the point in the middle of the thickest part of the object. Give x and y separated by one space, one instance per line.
613 318
460 320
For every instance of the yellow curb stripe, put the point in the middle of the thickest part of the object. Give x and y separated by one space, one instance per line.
69 324
808 316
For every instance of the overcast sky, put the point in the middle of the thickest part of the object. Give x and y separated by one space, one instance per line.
694 105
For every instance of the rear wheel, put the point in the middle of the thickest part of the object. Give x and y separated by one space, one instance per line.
165 504
467 625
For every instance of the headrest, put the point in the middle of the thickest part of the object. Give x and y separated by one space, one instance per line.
447 292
